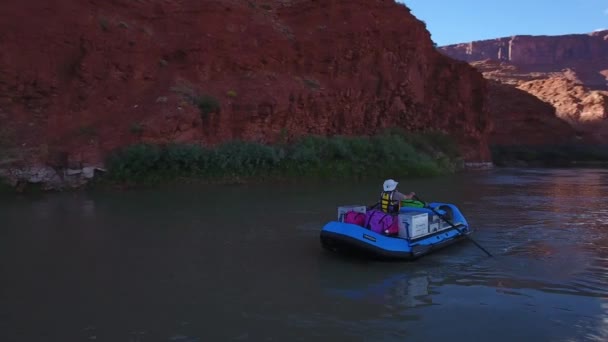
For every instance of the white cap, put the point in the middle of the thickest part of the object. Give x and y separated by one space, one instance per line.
390 185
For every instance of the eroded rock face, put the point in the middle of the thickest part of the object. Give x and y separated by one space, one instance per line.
569 72
80 78
524 120
48 178
585 109
584 54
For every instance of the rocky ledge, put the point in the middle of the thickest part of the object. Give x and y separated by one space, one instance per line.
48 178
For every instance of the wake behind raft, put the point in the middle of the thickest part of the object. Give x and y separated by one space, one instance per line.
418 229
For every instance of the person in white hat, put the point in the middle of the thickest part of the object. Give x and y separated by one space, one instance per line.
390 198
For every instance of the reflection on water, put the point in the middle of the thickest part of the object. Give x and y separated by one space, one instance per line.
398 290
549 230
244 263
602 334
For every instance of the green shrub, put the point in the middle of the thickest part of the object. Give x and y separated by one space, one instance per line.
104 24
387 155
7 137
134 162
87 131
206 104
244 158
550 155
136 128
5 186
312 84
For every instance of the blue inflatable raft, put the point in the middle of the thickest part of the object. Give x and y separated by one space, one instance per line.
437 225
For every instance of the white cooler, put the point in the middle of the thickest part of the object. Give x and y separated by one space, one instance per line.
413 225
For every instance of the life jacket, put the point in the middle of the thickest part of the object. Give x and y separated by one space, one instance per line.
387 204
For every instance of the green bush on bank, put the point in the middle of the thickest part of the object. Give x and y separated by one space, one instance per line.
5 186
390 154
550 155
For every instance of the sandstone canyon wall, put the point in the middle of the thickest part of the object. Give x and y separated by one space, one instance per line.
522 119
569 72
81 78
587 54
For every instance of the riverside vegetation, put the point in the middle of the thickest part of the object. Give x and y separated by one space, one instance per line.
549 155
392 153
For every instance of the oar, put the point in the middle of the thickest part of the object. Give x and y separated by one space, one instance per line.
453 226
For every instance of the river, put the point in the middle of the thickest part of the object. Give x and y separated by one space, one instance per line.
244 263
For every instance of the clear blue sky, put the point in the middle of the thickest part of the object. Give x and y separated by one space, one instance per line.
458 21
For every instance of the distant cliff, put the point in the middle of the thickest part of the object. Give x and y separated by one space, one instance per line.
521 118
570 72
542 53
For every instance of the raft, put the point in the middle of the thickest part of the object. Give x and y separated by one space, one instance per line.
422 230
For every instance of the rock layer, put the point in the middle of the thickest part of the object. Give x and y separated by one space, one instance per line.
569 72
81 78
522 119
584 54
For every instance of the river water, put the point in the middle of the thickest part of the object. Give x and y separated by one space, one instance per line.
244 263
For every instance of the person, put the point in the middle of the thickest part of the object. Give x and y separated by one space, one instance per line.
390 198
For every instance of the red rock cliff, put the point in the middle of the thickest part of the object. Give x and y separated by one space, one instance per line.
80 78
521 118
569 72
584 109
585 53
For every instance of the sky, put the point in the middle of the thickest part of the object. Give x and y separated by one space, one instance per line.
460 21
